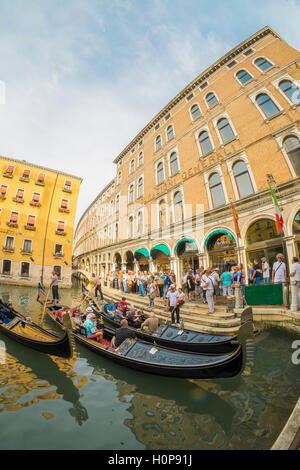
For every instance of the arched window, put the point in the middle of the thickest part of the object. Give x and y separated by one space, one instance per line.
178 206
291 145
162 214
160 173
170 132
132 166
140 187
140 222
205 142
158 142
263 64
130 227
267 105
195 111
117 232
211 100
141 158
131 193
243 76
117 202
290 90
119 177
242 179
216 190
225 130
174 163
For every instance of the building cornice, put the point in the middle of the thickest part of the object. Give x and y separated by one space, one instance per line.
25 163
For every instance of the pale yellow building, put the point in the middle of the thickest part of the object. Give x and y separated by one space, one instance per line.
37 214
222 139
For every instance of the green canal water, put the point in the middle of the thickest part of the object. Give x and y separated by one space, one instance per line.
91 403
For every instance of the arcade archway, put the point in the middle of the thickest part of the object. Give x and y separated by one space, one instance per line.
263 240
161 257
129 260
187 253
142 257
222 250
118 261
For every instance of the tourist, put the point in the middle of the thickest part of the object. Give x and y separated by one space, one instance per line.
125 282
122 334
54 284
190 285
295 275
208 284
140 281
111 310
91 331
216 277
239 279
76 318
279 270
151 324
151 292
166 279
183 281
172 297
265 270
97 284
198 284
181 296
250 273
172 278
133 318
160 284
122 306
257 272
60 313
226 284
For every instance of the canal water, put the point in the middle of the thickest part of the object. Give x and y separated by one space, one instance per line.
91 403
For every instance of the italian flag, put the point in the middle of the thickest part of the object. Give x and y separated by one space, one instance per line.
278 215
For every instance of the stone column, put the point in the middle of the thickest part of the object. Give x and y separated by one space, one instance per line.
238 297
295 296
176 268
136 267
202 260
290 251
152 267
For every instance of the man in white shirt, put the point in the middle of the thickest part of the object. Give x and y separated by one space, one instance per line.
279 270
172 297
207 283
295 274
265 269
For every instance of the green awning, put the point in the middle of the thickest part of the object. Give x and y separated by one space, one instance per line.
185 240
142 251
220 232
162 248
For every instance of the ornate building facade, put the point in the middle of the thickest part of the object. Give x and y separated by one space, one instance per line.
37 215
224 138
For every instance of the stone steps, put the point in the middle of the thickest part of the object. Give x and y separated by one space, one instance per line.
199 322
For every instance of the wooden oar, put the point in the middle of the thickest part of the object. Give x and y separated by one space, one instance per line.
45 304
94 300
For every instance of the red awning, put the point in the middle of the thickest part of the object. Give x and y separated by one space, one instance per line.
68 183
36 197
64 203
10 169
14 216
26 172
41 177
31 220
20 193
3 189
61 226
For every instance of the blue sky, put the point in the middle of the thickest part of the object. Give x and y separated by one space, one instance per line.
84 76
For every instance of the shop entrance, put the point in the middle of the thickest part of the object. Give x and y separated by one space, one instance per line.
161 257
222 252
187 252
262 240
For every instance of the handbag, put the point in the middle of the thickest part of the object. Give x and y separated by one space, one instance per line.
152 295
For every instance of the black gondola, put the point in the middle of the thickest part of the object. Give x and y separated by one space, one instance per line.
172 337
142 356
16 326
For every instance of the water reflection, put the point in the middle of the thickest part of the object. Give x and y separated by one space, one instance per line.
26 371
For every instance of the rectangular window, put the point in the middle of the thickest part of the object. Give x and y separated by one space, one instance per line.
9 170
14 217
27 246
232 64
189 97
20 195
57 269
3 191
25 269
41 178
36 197
6 267
31 220
60 226
64 204
9 244
58 249
67 185
204 85
25 175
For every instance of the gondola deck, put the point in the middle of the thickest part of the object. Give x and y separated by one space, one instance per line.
143 356
173 337
15 326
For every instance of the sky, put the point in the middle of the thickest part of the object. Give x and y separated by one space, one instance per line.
83 77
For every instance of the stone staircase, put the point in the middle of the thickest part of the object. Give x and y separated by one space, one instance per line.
194 314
